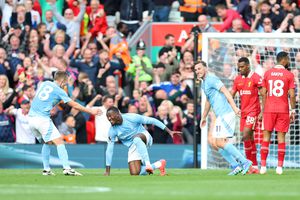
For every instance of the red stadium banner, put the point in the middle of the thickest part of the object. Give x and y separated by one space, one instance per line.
181 32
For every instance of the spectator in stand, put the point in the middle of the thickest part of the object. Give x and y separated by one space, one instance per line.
138 61
131 13
5 68
228 15
160 137
7 133
204 24
6 10
21 16
23 132
188 125
72 23
46 5
170 43
28 93
237 26
244 9
295 27
102 124
169 86
7 94
144 107
97 18
176 116
162 10
75 6
59 52
289 6
67 129
87 65
167 64
50 22
191 9
266 10
35 15
118 45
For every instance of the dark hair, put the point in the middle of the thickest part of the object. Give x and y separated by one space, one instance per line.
112 109
120 25
67 116
281 55
200 62
220 6
106 97
245 60
175 72
169 35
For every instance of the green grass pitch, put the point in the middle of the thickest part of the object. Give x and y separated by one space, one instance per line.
179 184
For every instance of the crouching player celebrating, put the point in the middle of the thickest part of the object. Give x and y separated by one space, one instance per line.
129 129
248 83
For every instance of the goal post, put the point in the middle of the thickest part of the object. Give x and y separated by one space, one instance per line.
221 52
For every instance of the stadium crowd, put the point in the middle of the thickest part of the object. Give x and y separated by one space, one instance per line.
86 39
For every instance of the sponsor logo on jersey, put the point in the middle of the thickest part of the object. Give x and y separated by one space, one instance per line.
245 92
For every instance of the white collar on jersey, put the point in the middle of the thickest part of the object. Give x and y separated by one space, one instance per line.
279 67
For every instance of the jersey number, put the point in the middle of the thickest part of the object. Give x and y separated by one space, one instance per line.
44 93
276 88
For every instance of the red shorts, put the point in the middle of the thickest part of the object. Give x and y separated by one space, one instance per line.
248 121
278 121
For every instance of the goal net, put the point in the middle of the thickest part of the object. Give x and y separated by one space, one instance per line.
221 52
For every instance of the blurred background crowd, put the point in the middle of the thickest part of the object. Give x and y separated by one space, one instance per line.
88 39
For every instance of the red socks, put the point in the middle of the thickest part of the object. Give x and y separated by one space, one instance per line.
254 152
250 151
281 154
264 151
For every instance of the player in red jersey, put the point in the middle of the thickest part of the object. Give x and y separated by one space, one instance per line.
278 87
248 85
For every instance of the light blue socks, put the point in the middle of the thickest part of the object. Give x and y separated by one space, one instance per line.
46 156
63 156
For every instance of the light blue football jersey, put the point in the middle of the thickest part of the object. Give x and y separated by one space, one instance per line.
132 125
211 86
46 97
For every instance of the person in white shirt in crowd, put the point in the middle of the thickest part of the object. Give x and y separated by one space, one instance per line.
23 132
101 122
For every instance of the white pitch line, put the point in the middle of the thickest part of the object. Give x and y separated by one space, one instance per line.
33 189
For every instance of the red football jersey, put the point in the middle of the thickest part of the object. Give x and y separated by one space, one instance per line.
248 90
278 81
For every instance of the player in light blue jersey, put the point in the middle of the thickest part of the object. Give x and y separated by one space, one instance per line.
47 96
222 103
129 129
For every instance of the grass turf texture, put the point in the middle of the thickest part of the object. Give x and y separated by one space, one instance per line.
179 184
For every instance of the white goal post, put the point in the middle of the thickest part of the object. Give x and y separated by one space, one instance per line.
221 52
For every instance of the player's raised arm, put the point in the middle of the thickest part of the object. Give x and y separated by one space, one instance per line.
150 120
92 111
230 100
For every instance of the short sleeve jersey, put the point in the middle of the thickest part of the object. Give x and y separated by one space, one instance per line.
247 87
278 81
211 86
46 97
